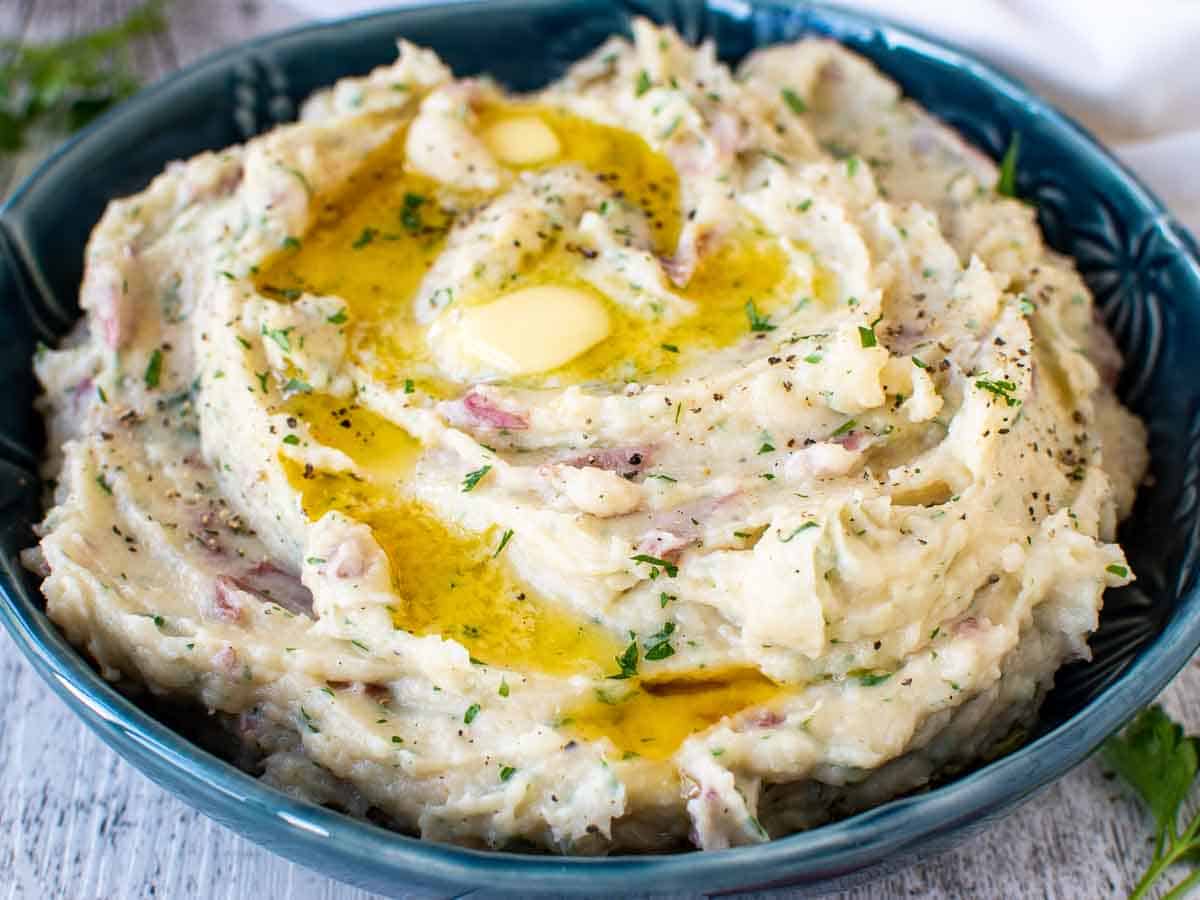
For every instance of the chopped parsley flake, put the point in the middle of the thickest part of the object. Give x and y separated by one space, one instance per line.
658 646
100 393
279 336
757 322
241 340
503 691
813 358
670 348
1119 571
308 721
664 598
802 528
767 447
919 363
1006 183
661 477
507 772
338 318
291 440
410 215
262 379
365 238
504 539
290 243
294 386
867 336
473 478
669 567
153 369
642 84
794 101
1001 388
471 713
871 679
627 662
845 428
409 387
851 166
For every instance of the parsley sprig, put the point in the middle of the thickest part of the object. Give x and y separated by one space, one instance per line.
1155 757
63 85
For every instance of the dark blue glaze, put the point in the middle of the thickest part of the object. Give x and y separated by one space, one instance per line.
1141 265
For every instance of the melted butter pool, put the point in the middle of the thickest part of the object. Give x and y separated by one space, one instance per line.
654 718
448 581
372 240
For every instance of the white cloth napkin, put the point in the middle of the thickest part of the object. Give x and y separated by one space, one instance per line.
1128 72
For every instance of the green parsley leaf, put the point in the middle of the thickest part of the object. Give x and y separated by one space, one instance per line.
473 478
308 721
104 485
757 322
794 101
870 679
507 772
409 387
1155 757
627 662
241 340
503 691
504 539
410 214
290 243
642 84
1002 389
845 428
279 336
669 567
1006 183
471 713
916 361
867 336
153 369
1119 571
338 318
100 393
661 477
291 440
813 358
767 447
851 166
664 598
799 530
262 379
670 348
658 646
294 386
365 237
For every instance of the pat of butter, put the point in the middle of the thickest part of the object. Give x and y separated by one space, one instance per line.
535 329
523 141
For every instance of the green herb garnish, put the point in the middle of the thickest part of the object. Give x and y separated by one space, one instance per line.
658 646
364 238
1119 571
627 662
794 101
757 322
473 478
867 336
1006 183
799 530
153 369
845 428
1155 757
471 713
410 214
999 387
507 772
338 318
504 539
642 84
669 567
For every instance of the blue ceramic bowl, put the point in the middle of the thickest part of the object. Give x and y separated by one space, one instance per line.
1141 265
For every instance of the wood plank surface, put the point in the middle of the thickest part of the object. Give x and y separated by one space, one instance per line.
78 823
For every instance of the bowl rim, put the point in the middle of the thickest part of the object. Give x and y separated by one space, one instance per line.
309 834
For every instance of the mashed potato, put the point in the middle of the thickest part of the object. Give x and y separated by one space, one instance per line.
671 455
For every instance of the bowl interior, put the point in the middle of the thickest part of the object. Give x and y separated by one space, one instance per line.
1141 266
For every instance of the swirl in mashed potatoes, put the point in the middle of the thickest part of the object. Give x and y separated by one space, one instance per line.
669 455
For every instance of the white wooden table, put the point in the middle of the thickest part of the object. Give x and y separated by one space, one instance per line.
77 822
